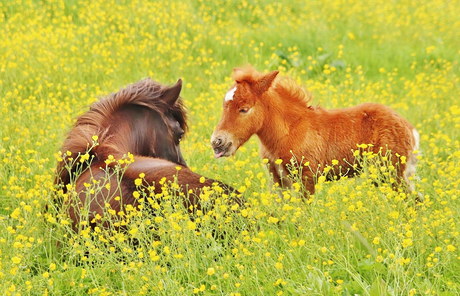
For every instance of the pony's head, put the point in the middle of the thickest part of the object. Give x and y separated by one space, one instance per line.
145 119
243 110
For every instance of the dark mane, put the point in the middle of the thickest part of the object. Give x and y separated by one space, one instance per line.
145 93
101 117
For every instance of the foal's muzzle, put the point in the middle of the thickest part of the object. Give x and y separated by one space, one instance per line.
221 145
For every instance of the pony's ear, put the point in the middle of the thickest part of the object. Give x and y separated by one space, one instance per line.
171 94
237 74
264 83
241 75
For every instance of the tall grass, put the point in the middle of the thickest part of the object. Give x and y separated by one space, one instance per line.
57 57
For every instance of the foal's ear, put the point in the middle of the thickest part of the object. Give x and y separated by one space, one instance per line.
171 94
237 72
264 83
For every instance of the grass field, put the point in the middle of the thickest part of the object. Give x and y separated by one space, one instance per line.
57 57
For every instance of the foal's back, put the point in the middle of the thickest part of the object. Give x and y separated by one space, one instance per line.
367 123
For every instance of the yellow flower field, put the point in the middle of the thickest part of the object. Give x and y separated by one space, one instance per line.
59 56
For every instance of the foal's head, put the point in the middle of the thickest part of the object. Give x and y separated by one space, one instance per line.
148 119
145 119
243 113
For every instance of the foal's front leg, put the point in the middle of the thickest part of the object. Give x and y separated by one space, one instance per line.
309 183
273 172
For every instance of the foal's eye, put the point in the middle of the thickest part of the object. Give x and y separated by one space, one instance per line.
244 110
179 137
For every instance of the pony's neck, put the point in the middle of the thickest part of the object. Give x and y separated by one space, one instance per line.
285 119
128 131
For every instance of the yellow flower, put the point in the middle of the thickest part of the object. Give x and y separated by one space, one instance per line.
191 225
278 161
403 159
16 213
376 240
12 288
154 256
451 248
84 157
16 260
166 250
279 265
211 271
133 231
321 179
273 220
407 242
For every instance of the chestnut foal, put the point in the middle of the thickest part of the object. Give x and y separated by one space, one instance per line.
280 113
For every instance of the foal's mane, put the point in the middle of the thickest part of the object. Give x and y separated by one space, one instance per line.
99 118
287 88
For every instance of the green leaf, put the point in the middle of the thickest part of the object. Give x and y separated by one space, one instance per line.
378 288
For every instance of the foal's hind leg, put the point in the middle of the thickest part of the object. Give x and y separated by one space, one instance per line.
409 172
411 166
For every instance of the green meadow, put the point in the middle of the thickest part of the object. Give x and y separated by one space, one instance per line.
350 238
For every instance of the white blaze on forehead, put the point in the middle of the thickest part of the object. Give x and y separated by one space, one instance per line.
230 94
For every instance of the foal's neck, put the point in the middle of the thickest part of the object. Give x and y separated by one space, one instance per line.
285 120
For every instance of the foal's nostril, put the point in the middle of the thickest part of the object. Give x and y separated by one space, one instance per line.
217 142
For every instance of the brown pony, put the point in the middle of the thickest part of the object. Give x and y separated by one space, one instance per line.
142 125
280 113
